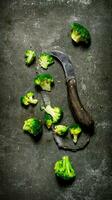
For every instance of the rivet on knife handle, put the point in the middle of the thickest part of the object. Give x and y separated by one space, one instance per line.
79 112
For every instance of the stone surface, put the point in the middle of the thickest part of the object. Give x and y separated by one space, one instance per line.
26 167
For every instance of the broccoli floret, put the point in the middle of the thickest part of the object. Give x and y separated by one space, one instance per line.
30 56
79 33
64 169
45 60
61 130
28 99
45 81
55 112
33 126
48 120
75 130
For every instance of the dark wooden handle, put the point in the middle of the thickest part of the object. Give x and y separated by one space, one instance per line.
79 113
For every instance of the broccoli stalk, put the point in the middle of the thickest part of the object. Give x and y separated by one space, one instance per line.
61 130
75 130
33 126
45 60
30 56
28 99
80 34
55 112
45 81
64 169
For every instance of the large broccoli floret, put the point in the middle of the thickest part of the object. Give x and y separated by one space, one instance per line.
45 81
80 34
33 126
64 169
61 130
30 56
45 60
55 112
28 99
48 120
75 130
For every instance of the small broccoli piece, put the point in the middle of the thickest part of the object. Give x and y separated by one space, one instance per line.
28 99
75 130
33 126
64 169
45 60
55 112
48 120
30 56
80 34
61 130
45 81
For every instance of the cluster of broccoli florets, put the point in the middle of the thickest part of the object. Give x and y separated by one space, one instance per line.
28 99
63 130
64 170
44 81
45 60
80 34
33 126
52 115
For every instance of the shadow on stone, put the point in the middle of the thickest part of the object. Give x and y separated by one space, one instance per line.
82 44
64 183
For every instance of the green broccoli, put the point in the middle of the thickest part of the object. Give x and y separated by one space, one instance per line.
30 57
33 126
45 81
45 60
48 120
61 130
80 34
28 99
64 169
75 130
55 112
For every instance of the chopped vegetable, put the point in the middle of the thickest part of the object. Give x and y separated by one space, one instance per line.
48 120
28 99
79 33
33 126
45 60
64 169
30 57
55 112
75 130
61 130
45 81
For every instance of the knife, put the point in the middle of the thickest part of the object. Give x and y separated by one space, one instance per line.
79 112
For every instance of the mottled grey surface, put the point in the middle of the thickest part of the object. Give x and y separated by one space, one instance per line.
26 167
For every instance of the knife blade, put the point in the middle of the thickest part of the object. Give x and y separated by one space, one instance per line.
79 112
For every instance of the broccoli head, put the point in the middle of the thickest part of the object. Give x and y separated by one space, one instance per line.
80 34
55 112
30 56
61 130
64 169
33 126
28 99
75 130
45 81
48 120
45 60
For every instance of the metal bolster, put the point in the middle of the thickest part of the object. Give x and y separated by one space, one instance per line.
69 78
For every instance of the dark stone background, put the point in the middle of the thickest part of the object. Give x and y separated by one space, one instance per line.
26 167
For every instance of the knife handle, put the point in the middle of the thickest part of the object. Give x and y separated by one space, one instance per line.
79 113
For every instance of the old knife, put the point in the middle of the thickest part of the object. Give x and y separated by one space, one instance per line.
78 110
